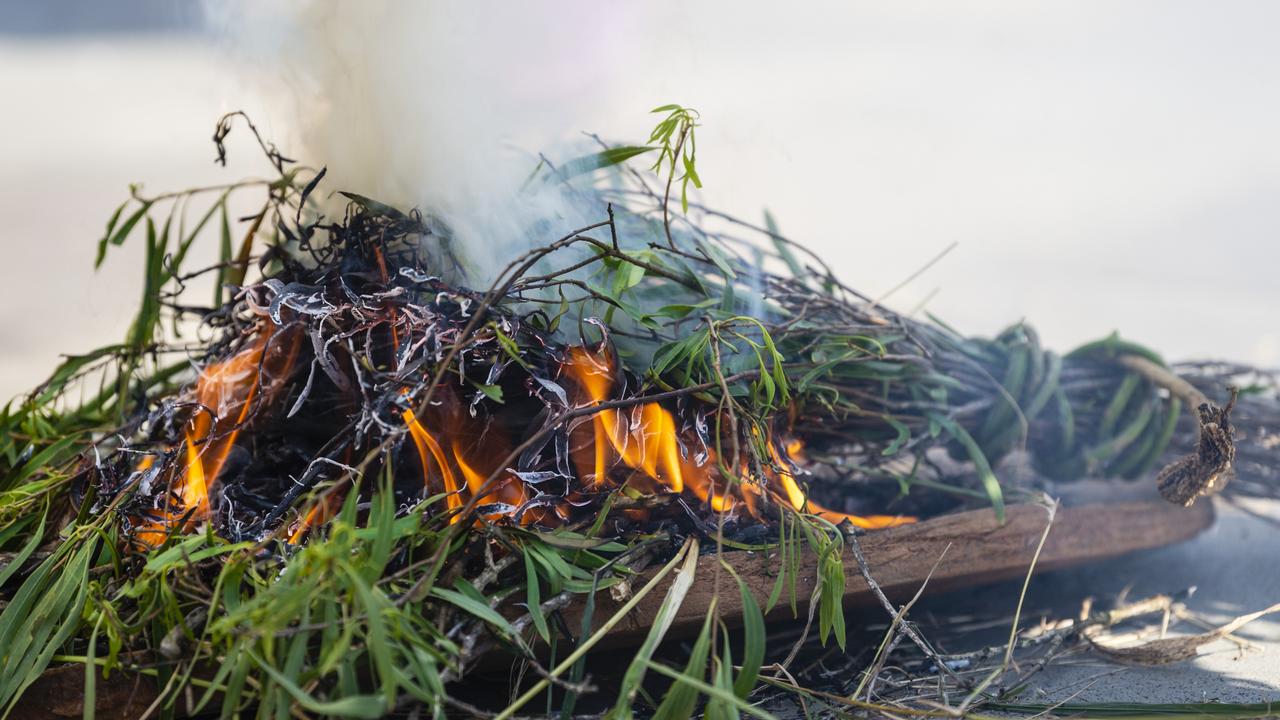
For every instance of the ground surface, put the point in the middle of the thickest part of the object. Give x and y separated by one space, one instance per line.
1236 569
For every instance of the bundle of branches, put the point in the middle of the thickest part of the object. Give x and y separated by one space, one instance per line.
364 474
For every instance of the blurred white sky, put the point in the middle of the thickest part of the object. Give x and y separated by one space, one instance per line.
1102 165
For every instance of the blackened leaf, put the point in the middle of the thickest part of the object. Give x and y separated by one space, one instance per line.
306 191
374 206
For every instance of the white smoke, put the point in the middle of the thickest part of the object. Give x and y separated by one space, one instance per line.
441 106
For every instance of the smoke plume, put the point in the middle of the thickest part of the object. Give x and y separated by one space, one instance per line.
443 106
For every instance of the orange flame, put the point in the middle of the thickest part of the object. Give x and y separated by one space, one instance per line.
642 445
471 458
460 471
638 447
225 394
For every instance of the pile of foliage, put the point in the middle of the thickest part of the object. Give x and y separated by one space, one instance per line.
362 476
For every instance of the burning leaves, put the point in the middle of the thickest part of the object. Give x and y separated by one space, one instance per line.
373 447
642 448
364 353
458 448
221 403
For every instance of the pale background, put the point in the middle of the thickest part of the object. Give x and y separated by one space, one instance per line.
1103 165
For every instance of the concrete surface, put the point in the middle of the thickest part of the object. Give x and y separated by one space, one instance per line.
1235 566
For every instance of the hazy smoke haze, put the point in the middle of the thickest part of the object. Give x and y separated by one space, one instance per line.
440 106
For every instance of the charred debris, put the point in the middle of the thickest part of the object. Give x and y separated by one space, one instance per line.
359 474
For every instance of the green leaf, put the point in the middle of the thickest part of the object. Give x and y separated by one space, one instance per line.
15 562
753 640
90 701
120 233
184 553
44 613
682 697
831 596
662 620
712 691
478 609
493 392
715 255
370 707
904 434
69 367
42 459
570 540
988 478
225 256
535 599
603 159
111 226
781 245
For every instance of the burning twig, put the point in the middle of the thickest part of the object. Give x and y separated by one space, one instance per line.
376 475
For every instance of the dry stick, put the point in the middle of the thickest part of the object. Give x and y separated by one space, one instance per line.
934 261
1174 649
882 655
907 627
666 195
582 649
886 710
1165 378
1146 606
1017 615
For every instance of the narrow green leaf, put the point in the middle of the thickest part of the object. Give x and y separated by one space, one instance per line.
493 392
904 434
370 707
712 691
662 620
988 478
478 609
753 640
535 599
682 696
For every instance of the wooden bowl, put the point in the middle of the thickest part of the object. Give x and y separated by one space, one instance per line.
978 550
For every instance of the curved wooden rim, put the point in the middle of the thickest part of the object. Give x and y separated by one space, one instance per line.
977 550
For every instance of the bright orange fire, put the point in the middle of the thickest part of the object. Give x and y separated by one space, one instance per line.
640 446
457 456
224 394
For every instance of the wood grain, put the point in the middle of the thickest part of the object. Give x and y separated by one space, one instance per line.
978 550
